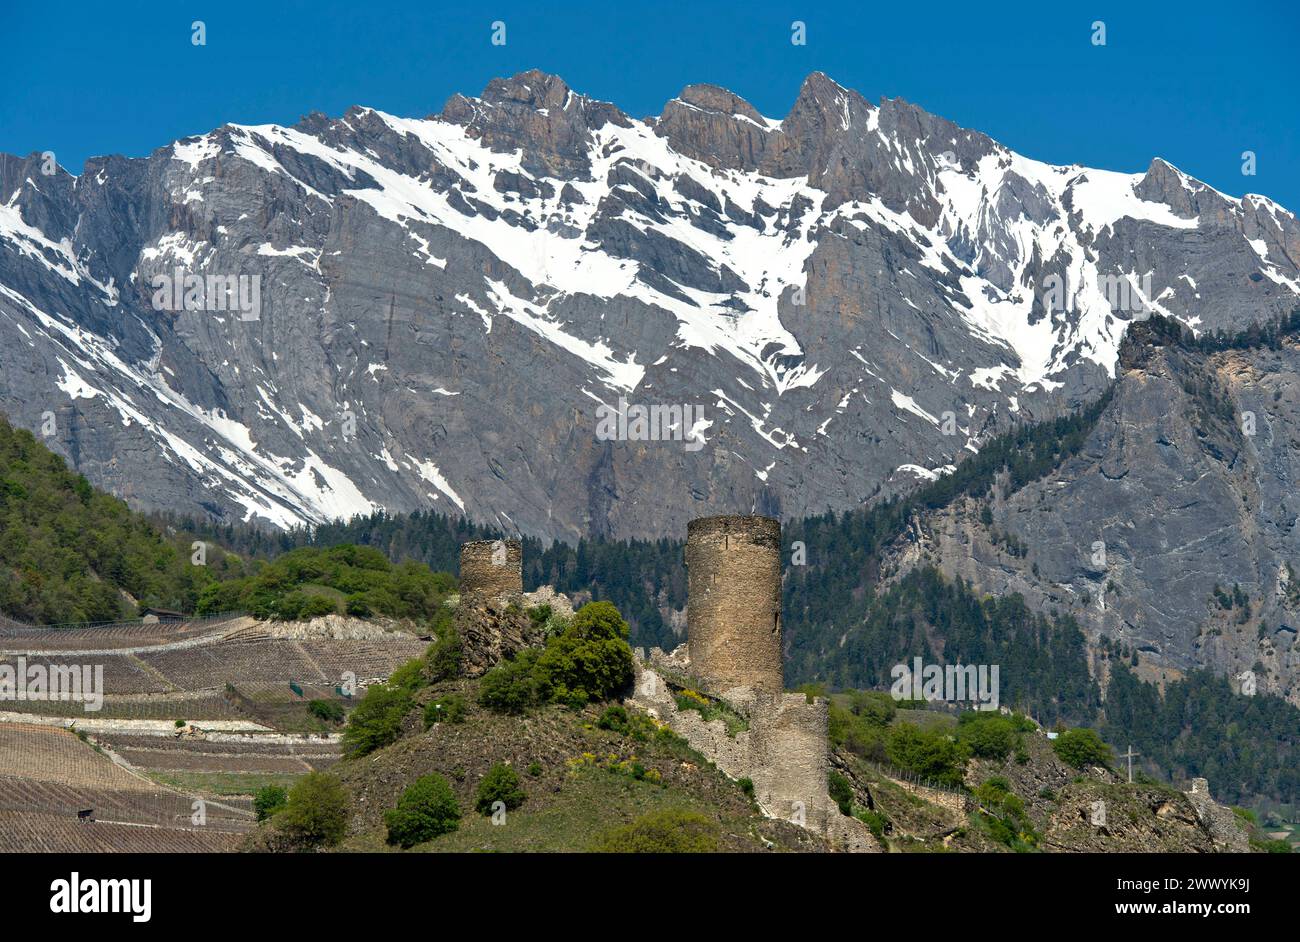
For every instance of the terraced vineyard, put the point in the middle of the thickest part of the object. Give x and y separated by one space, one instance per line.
48 775
28 832
138 771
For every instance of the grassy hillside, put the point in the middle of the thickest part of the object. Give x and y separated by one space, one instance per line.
71 553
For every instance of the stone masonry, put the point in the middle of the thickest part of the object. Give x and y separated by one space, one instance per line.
733 607
492 567
733 652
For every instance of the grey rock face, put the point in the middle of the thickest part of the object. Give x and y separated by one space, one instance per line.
1171 498
844 300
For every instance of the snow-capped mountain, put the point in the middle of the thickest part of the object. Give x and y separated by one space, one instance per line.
445 313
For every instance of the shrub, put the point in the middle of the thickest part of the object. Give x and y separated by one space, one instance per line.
747 786
269 799
927 753
442 660
1081 747
500 784
377 719
534 768
317 606
841 792
614 718
315 811
510 687
590 659
426 809
861 728
668 831
988 735
448 709
327 710
409 676
874 820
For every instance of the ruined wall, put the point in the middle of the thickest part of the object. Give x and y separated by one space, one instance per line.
1220 822
734 602
790 757
492 567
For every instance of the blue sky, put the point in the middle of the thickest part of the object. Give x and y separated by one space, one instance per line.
1196 83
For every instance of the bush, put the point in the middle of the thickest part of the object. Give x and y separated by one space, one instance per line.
377 719
426 809
410 676
327 710
1081 747
510 687
747 786
317 606
926 753
874 820
614 718
988 735
443 657
500 784
269 799
841 792
669 831
534 768
315 811
590 659
448 709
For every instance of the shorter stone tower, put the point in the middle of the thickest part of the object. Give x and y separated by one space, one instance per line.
492 567
733 567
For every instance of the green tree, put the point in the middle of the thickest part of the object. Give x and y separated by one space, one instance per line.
590 659
426 809
315 812
500 784
377 719
1080 747
269 799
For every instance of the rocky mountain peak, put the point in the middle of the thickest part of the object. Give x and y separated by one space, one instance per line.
538 114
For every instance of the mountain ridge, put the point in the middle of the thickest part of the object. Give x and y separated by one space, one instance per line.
447 303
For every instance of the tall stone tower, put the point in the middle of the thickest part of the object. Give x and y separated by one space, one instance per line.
492 567
733 607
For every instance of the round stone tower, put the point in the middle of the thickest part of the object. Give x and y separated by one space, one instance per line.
733 607
492 567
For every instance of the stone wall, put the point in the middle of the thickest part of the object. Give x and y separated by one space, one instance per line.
790 757
492 567
733 568
784 752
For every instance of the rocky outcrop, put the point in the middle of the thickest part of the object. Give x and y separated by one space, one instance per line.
1186 484
492 630
1223 825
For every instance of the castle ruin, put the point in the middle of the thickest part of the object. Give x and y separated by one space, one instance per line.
733 653
733 608
492 567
